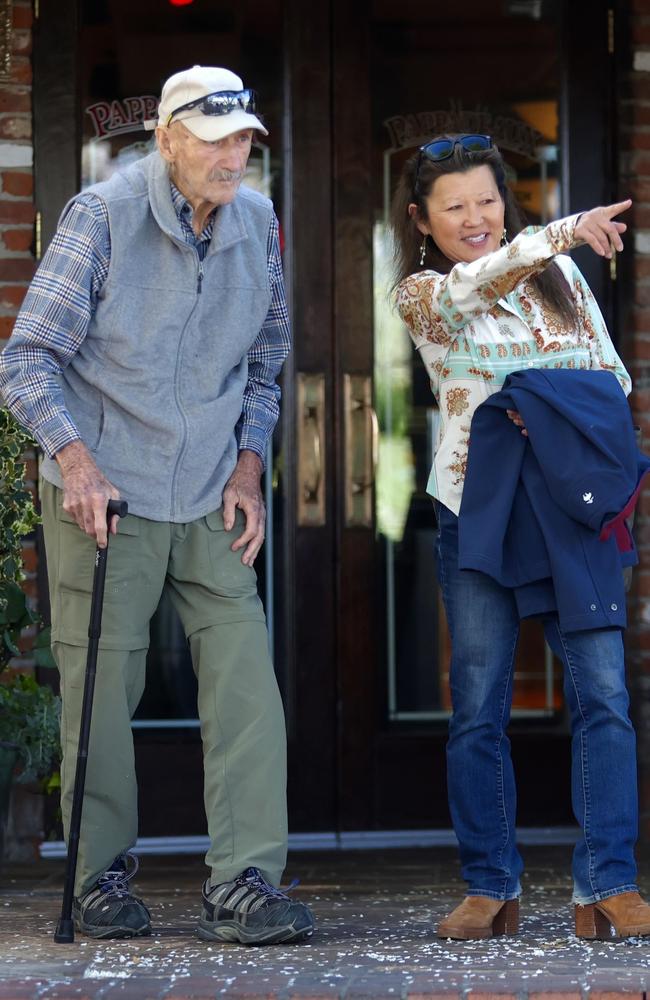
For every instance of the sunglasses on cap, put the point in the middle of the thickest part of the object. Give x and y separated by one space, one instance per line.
442 149
221 102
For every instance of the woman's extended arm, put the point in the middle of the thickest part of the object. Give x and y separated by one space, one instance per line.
435 306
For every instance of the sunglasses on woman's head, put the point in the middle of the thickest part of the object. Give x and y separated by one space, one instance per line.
221 102
442 149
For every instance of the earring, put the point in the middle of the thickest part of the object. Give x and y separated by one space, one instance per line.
504 238
423 251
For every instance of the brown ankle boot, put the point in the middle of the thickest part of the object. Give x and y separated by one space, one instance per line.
481 917
627 914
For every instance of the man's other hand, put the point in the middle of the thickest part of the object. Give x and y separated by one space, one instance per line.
244 490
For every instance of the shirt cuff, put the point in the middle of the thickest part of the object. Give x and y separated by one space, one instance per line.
252 438
55 434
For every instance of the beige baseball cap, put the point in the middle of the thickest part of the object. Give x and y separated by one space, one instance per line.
219 103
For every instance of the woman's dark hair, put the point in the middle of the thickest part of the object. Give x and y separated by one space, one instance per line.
550 283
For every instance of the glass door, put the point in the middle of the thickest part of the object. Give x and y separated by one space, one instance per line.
491 67
521 112
122 51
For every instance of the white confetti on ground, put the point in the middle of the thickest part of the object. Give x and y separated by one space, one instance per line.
92 972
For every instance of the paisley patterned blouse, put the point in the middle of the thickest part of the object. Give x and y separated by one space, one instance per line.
484 320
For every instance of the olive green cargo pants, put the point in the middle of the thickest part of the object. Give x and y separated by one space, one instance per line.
242 720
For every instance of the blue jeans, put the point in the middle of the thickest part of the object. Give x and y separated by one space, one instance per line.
484 628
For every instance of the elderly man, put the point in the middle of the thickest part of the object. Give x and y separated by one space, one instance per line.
144 361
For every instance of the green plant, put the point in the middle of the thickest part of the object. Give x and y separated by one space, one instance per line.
17 518
29 719
29 712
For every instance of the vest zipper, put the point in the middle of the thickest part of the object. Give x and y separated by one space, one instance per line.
185 434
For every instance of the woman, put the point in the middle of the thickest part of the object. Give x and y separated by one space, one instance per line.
483 297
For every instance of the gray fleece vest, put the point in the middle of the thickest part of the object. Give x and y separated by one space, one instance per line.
156 388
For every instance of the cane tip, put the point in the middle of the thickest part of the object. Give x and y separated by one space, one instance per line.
64 933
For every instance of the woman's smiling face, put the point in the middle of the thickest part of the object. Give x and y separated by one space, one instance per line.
465 214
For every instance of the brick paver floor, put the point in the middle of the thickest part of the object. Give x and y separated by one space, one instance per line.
376 914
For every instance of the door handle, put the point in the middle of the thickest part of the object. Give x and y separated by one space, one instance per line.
372 434
312 455
361 450
310 398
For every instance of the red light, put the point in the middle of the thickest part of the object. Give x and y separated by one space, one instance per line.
181 3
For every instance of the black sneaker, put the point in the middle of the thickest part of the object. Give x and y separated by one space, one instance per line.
251 911
108 910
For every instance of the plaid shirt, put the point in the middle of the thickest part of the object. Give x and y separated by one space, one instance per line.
60 303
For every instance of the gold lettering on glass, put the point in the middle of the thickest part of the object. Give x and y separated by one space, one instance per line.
414 129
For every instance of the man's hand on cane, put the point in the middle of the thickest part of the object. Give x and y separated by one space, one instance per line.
86 491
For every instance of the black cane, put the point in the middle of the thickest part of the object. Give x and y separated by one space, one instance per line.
64 933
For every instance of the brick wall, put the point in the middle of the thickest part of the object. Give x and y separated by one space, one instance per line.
16 181
634 135
17 263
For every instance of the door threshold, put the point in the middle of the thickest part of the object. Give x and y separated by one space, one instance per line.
354 840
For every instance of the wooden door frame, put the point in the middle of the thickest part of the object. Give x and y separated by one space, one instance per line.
333 650
55 102
310 615
357 581
588 130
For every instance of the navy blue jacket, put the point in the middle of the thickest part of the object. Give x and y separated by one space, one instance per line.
545 514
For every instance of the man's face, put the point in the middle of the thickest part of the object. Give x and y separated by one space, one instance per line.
205 171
